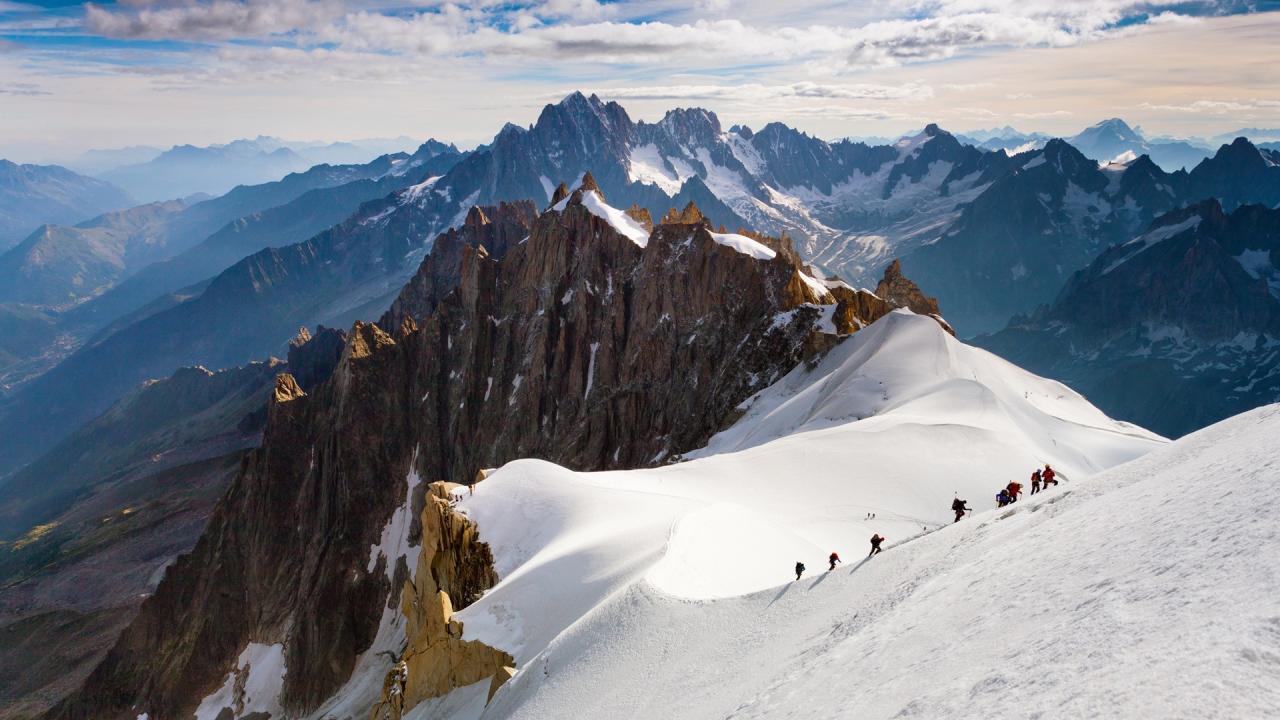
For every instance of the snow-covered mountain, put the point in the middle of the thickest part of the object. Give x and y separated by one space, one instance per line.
1099 597
587 335
775 416
966 220
1006 138
893 421
1113 140
1176 328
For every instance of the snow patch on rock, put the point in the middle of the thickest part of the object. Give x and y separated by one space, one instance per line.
253 687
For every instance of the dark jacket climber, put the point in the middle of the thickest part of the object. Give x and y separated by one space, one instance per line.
1002 498
1035 481
834 559
875 544
959 507
799 570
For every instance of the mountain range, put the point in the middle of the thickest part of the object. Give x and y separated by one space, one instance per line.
962 219
1113 139
60 285
32 195
585 291
1174 329
186 170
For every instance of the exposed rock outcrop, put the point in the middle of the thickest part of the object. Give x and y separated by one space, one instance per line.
690 215
454 568
898 291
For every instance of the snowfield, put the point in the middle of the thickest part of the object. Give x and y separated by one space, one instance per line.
1143 586
1146 591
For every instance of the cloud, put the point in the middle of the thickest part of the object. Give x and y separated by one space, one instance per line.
1216 107
755 92
1041 114
27 89
845 113
593 31
211 19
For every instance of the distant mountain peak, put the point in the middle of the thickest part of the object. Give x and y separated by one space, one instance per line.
691 125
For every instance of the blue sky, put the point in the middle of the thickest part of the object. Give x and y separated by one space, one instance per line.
79 75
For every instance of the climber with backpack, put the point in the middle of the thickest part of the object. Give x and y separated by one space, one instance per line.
1002 498
1035 481
1049 476
1015 489
799 569
833 559
875 544
959 507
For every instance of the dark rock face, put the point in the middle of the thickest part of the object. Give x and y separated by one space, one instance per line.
1173 330
578 345
1239 173
496 229
1032 228
942 146
794 159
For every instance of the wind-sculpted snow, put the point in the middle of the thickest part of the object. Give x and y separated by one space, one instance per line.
895 421
1144 591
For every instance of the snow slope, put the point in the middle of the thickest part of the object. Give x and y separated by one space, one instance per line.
1146 591
645 593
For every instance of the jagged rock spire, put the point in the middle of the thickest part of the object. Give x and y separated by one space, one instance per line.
302 338
898 291
588 185
287 389
476 217
691 215
561 192
640 215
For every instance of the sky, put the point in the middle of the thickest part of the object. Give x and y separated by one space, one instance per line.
78 75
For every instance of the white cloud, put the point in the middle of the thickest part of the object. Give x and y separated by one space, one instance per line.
1216 107
1041 114
756 92
212 19
591 31
28 89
